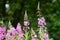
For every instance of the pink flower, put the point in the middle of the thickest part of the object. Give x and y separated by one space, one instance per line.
26 23
12 31
41 21
45 35
18 28
8 35
33 38
2 32
21 35
1 36
2 29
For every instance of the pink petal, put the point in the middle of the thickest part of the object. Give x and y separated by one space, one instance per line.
18 28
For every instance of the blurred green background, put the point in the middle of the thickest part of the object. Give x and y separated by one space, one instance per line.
50 9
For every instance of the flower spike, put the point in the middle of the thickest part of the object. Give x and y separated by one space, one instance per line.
38 7
25 16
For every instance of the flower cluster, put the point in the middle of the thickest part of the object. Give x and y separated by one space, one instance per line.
13 33
41 21
2 32
45 35
42 29
33 34
26 23
19 34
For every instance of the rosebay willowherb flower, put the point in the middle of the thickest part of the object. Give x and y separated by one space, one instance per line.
41 21
19 31
2 32
14 34
41 25
33 38
11 29
11 33
26 22
1 36
33 35
45 35
26 27
8 35
18 28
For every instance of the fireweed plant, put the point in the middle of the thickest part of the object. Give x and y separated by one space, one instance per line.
25 33
15 34
26 26
42 30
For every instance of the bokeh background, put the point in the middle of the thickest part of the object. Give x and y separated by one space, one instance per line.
50 9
